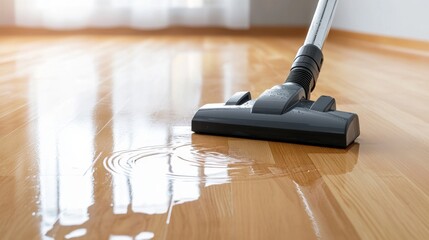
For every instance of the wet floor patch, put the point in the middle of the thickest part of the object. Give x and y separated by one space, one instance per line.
186 161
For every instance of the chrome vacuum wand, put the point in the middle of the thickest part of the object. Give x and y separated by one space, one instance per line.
321 24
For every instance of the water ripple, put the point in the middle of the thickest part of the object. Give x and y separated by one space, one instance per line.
190 162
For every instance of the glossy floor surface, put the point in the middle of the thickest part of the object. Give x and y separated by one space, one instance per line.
96 142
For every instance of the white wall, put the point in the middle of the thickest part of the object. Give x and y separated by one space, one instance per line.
281 12
396 18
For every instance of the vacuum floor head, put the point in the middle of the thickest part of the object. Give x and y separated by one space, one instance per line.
280 114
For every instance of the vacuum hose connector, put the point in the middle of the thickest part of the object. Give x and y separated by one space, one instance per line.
306 68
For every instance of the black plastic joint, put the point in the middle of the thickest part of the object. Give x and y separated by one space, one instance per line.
306 68
313 52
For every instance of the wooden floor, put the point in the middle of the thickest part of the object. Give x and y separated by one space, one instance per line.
96 142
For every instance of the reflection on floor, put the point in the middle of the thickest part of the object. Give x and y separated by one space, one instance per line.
67 90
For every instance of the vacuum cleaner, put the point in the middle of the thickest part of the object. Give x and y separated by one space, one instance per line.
285 112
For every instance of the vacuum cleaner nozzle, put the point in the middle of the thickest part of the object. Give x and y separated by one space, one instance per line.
294 119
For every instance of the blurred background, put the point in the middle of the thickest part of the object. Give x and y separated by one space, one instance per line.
395 18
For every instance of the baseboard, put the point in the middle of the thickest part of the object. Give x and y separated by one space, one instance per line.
343 35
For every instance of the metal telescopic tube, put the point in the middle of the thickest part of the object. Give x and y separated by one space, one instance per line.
321 23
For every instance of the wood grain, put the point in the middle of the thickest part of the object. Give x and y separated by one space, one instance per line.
96 144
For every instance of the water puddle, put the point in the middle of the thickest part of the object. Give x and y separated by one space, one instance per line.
186 161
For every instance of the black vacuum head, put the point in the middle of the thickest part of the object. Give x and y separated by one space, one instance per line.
280 114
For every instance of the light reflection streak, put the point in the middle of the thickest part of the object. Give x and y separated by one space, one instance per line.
132 126
178 76
308 211
131 105
65 136
76 233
